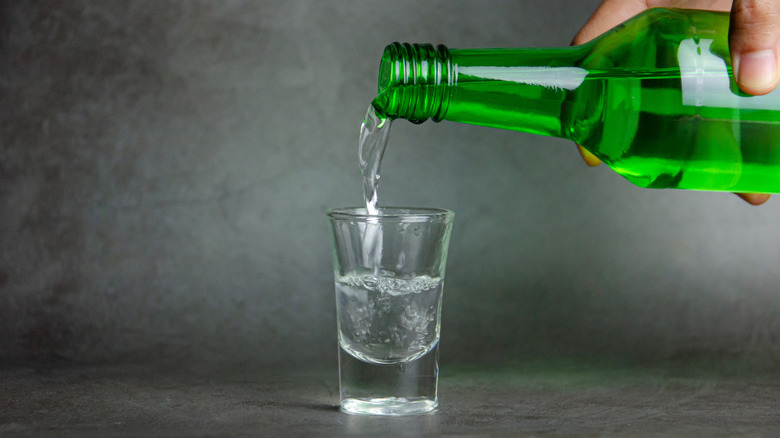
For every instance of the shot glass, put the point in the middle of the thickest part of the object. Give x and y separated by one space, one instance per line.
389 275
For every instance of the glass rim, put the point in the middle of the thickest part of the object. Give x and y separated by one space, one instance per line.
406 213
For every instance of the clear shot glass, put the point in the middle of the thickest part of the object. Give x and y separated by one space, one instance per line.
389 277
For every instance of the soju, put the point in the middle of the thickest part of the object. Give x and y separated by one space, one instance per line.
654 99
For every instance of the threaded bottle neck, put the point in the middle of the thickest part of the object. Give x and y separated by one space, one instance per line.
414 81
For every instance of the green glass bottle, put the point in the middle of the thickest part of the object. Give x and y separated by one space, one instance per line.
653 98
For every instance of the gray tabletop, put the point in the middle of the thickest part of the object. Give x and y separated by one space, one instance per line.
552 398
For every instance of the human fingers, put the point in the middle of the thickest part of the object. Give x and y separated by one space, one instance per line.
589 159
608 15
754 33
754 198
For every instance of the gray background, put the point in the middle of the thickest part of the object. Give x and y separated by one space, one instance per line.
165 166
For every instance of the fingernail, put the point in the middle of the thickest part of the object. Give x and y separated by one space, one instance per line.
757 69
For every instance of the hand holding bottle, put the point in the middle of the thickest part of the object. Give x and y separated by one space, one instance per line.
754 35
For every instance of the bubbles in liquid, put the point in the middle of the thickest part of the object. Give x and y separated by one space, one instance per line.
384 319
385 283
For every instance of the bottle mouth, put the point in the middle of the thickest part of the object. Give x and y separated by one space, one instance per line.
414 81
385 72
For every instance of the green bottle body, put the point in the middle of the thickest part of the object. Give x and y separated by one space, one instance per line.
653 98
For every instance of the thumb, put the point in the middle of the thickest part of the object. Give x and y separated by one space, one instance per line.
754 33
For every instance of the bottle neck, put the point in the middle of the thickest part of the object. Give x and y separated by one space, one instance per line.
518 89
414 80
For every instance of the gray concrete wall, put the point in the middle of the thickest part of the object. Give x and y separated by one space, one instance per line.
165 166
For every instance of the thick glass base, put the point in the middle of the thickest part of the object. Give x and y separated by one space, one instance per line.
407 388
388 406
